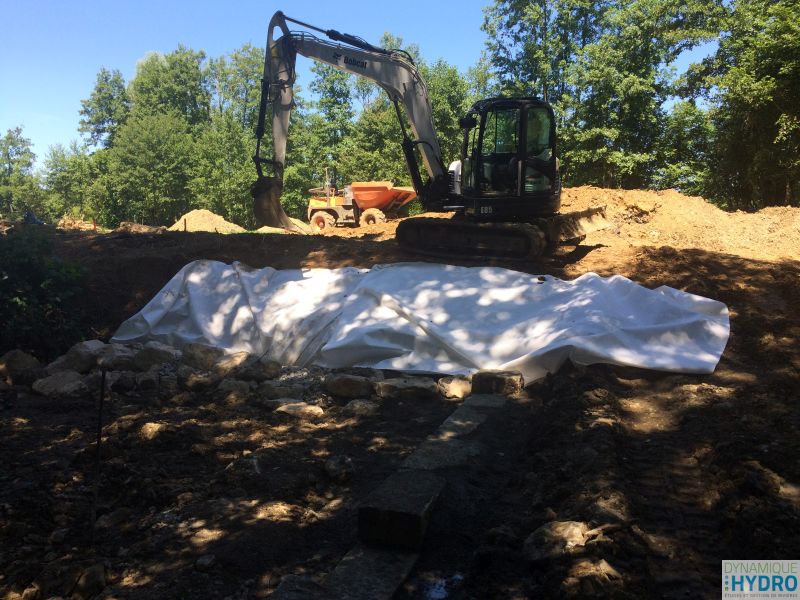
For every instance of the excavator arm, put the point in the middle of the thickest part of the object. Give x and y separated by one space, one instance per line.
392 70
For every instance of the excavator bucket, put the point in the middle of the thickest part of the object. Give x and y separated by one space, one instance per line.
266 192
576 225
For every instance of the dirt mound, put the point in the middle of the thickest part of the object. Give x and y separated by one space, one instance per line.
70 222
205 220
669 218
127 226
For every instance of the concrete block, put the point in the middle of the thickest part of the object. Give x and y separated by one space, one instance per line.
396 514
497 382
369 573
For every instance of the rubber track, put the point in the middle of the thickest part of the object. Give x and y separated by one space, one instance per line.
448 238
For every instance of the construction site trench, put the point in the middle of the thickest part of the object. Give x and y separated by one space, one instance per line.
593 482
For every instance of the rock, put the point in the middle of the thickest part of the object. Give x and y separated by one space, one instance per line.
407 388
83 356
90 583
62 384
202 356
150 379
32 592
497 382
348 386
230 363
58 536
301 409
340 468
360 408
191 379
155 354
117 357
125 381
555 540
19 368
234 385
260 370
273 403
277 389
150 431
596 397
205 563
457 386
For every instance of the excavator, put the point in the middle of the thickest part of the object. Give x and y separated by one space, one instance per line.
504 192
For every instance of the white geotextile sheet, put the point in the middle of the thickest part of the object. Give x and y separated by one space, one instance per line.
424 317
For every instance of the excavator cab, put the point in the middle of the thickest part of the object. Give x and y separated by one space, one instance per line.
508 163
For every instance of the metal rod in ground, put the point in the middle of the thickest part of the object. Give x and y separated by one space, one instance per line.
96 486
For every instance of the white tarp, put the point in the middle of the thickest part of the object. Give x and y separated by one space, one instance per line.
435 318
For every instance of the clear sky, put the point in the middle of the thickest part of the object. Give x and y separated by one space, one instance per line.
51 51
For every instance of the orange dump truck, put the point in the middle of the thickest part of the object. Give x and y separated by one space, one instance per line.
360 203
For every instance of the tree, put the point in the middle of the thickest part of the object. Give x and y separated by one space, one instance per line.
172 83
684 150
753 81
106 109
68 176
17 181
150 168
222 171
236 83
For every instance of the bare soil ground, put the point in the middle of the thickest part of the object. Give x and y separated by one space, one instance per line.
684 470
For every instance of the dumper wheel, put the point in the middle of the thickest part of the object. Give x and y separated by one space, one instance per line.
372 216
322 221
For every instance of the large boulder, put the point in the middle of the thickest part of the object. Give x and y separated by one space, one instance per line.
407 388
61 385
19 368
82 357
556 539
202 356
117 357
156 353
343 385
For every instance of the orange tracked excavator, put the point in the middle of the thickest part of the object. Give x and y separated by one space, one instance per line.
505 191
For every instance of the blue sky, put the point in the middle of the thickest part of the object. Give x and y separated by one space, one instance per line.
51 51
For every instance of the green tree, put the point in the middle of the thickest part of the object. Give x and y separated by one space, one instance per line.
106 109
236 83
150 169
222 170
172 83
684 150
18 186
753 81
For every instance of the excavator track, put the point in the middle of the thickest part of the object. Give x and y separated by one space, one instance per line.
518 241
448 238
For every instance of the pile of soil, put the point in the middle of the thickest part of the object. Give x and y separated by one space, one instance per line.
205 220
70 222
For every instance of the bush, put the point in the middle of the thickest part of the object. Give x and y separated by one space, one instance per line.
40 296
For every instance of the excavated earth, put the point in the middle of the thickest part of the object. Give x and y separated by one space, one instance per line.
670 473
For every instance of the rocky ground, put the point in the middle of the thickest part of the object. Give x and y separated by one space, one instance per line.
624 484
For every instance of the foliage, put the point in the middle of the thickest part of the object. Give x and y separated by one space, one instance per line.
221 170
16 170
150 168
754 83
172 83
40 296
106 109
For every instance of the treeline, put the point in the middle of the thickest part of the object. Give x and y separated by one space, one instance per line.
179 135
